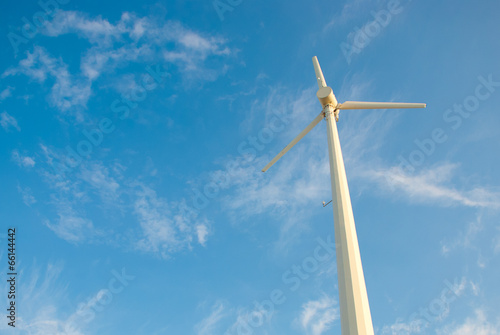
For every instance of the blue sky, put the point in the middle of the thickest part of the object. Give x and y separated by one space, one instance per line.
132 138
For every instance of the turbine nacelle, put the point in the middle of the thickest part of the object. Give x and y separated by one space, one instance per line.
326 97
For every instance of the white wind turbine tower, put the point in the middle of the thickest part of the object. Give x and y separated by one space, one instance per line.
355 317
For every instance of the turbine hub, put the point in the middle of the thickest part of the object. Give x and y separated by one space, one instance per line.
326 97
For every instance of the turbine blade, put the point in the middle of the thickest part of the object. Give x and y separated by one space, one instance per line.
378 105
294 141
319 73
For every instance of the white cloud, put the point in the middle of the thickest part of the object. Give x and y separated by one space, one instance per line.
7 121
67 91
475 325
418 322
97 60
208 325
99 179
68 197
126 83
157 226
135 38
165 229
464 239
202 232
130 39
475 288
318 315
400 327
6 93
23 161
429 186
27 196
47 308
70 225
97 30
496 246
350 10
44 294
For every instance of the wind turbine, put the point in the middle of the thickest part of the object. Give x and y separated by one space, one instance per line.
355 317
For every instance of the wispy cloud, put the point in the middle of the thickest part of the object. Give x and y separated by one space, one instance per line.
208 325
44 294
98 177
318 315
7 121
496 244
475 325
350 10
160 234
402 327
426 318
27 195
135 38
131 39
465 239
155 225
433 185
23 161
165 230
67 91
47 304
70 225
202 233
6 93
